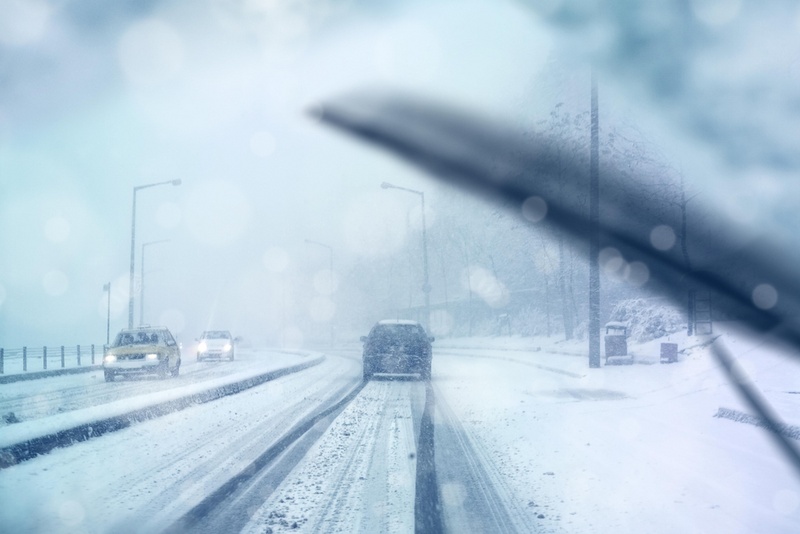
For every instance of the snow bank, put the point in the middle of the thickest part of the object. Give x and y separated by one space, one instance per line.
28 439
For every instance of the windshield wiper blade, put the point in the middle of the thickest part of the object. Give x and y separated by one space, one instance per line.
732 265
514 166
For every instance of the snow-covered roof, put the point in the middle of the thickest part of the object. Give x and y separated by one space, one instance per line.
397 321
144 327
616 324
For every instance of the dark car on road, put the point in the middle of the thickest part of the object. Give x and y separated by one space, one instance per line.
397 347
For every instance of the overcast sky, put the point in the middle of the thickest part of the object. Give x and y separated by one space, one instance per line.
97 99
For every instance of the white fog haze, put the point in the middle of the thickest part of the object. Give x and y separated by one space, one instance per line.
218 98
303 169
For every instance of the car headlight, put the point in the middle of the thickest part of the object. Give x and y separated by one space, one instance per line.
151 356
109 358
227 347
202 347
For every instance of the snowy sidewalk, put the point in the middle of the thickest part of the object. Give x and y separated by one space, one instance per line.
630 448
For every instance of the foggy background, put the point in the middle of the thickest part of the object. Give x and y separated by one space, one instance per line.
97 99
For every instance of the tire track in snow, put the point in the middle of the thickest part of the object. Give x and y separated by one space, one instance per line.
427 498
359 476
354 467
475 497
201 477
383 460
116 496
222 509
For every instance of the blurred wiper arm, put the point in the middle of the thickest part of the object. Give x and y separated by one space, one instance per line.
514 165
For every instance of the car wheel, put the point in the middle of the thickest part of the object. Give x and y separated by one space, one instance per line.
177 370
199 359
231 358
426 374
163 370
109 375
368 372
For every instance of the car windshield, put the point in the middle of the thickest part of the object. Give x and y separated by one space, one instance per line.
138 338
216 335
491 266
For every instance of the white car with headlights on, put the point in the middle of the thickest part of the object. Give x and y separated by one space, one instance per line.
143 350
216 345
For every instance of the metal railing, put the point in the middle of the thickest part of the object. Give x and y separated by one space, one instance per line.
43 358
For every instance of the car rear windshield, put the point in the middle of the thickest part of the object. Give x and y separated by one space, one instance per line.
398 332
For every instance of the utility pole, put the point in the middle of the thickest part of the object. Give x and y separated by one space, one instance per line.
594 236
691 312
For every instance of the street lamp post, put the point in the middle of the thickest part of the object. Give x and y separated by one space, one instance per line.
107 289
330 271
426 287
141 277
133 241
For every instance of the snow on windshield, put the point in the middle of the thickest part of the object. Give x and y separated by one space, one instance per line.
295 171
138 338
216 335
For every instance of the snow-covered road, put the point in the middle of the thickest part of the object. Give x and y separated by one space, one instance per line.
632 448
360 476
143 478
525 441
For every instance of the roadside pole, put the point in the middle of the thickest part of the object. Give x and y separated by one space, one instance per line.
594 238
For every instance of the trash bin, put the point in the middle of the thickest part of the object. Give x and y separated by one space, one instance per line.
616 340
669 352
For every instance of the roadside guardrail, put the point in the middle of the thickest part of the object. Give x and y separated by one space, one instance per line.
28 359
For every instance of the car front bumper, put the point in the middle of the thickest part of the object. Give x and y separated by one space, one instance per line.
134 367
214 354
